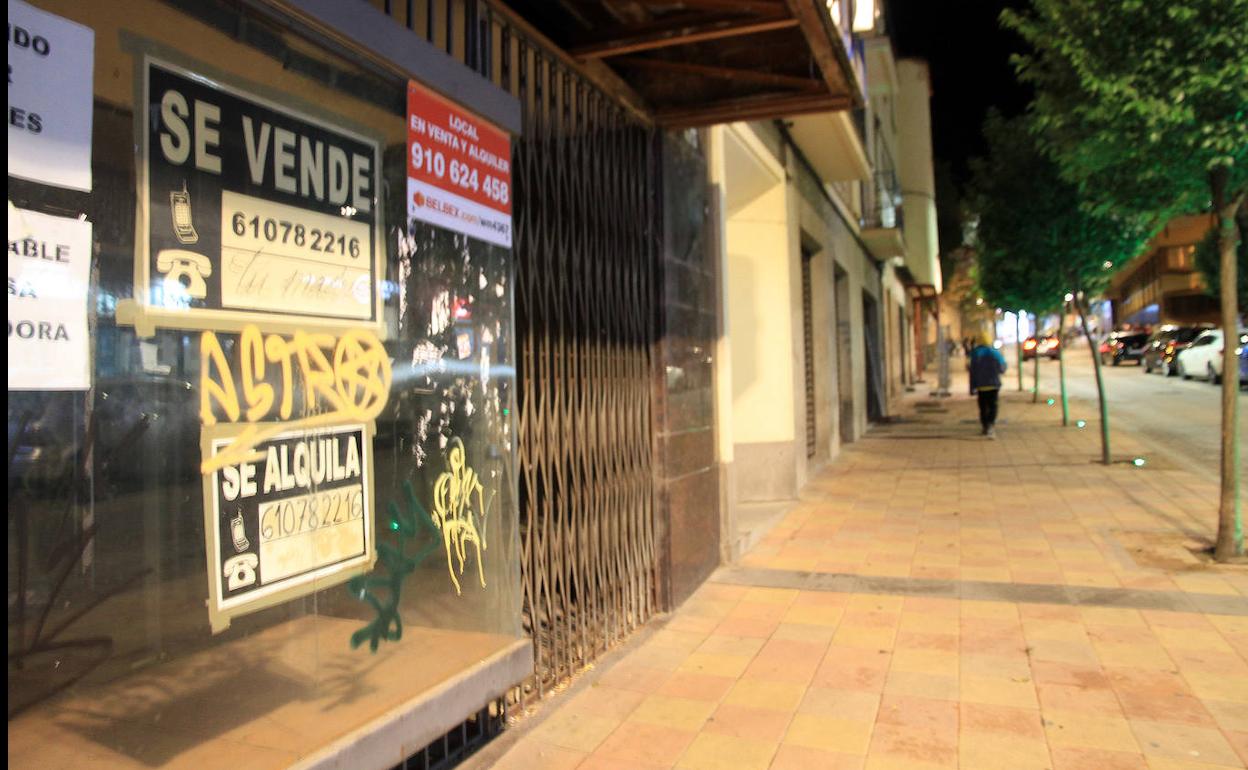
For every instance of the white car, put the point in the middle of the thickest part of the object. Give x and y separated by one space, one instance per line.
1204 357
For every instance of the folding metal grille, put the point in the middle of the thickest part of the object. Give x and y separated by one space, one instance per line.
585 221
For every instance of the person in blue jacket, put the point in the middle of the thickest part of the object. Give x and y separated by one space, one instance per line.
986 365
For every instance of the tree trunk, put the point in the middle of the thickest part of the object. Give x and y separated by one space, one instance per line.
1018 346
1061 365
1035 372
1230 542
1100 383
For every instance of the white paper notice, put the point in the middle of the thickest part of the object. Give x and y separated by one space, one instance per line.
49 276
51 61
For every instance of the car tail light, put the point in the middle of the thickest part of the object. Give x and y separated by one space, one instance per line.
1029 345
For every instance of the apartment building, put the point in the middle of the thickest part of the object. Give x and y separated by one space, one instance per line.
1162 285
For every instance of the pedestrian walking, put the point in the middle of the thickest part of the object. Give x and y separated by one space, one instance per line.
986 365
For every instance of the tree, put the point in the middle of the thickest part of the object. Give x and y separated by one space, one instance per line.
1038 241
1144 105
1208 261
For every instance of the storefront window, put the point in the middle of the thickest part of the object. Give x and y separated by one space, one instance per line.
282 504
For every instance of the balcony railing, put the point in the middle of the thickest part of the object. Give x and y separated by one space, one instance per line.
881 206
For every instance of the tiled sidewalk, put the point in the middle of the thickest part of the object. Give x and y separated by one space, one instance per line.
938 600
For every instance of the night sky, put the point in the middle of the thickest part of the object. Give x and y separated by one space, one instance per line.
968 53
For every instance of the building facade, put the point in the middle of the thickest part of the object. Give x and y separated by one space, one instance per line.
1162 285
380 365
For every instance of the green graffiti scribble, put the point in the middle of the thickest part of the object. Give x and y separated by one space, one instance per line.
397 565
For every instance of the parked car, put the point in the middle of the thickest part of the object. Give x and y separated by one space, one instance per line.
1243 365
1197 358
1166 343
1124 346
1047 345
1204 357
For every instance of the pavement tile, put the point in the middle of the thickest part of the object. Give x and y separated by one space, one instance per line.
771 611
576 730
1070 675
986 751
681 713
1094 759
1019 692
685 684
814 731
924 623
842 704
851 675
863 637
1231 717
1062 697
1213 686
925 605
1084 730
715 664
1184 742
766 694
1239 742
803 632
748 722
920 713
814 615
1166 763
646 743
723 644
781 596
1001 720
603 701
711 751
629 676
786 661
535 755
738 626
666 658
876 603
601 762
914 745
921 685
989 610
1062 651
1015 666
926 661
790 757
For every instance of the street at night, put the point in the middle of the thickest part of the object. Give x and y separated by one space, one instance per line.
1179 419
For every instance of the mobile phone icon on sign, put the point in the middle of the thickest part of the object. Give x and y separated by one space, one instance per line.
180 205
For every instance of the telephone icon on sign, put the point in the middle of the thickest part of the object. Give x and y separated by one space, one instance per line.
180 206
238 532
186 267
240 571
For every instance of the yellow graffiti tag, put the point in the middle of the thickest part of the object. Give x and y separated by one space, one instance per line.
454 513
344 379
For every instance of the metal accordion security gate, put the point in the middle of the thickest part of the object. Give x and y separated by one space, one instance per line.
586 239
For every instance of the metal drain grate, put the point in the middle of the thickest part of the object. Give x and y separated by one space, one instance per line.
461 742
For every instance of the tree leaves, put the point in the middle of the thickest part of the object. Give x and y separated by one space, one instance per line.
1037 241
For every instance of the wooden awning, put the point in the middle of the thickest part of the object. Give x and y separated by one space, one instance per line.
700 62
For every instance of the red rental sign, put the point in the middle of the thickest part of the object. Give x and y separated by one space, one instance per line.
458 168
